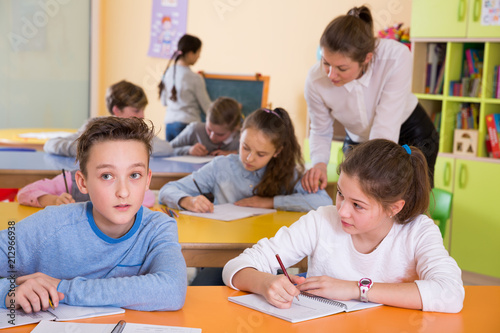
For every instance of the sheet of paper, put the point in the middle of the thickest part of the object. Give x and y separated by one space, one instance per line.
44 135
190 159
230 212
19 318
53 326
66 312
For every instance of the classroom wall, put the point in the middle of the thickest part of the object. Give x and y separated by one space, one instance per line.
278 38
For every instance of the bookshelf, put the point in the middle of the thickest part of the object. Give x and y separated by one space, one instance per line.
447 105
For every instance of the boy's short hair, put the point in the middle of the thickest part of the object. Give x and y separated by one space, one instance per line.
112 129
123 94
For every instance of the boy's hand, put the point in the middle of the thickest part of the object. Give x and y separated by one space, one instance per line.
198 150
315 178
278 290
198 204
256 201
54 200
331 288
33 292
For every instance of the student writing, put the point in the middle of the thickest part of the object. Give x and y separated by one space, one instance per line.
220 135
265 174
109 251
182 91
376 231
123 99
49 192
365 84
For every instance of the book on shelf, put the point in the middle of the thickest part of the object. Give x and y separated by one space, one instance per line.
469 84
307 307
435 66
467 117
496 82
493 134
436 120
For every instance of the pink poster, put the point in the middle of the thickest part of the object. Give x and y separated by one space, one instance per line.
168 24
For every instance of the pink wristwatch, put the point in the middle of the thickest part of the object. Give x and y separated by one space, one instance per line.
364 285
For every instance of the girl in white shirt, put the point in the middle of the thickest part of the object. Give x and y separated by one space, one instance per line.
374 245
365 84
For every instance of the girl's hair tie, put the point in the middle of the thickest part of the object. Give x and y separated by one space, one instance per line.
273 112
408 149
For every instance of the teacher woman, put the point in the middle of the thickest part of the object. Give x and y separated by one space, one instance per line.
364 83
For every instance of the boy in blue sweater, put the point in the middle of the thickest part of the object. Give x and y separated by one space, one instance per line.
109 251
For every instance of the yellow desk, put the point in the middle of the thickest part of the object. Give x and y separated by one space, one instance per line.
205 243
10 137
208 308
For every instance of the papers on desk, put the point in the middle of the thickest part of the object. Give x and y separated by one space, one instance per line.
190 159
51 327
230 212
44 135
63 312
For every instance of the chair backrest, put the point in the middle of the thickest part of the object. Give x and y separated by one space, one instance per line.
440 207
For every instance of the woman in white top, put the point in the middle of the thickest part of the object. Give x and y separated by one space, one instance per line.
182 91
365 84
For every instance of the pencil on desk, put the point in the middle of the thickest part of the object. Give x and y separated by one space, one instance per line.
65 182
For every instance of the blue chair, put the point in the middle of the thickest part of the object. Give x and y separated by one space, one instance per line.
440 207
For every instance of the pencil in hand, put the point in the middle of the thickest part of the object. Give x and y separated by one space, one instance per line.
65 181
285 272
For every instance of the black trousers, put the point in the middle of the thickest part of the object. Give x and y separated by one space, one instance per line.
419 131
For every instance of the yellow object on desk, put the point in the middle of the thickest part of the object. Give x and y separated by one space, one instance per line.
33 138
13 211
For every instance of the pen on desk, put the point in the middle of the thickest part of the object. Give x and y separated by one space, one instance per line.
119 327
284 271
65 182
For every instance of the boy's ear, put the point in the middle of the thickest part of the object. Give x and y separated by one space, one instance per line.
116 111
81 182
150 173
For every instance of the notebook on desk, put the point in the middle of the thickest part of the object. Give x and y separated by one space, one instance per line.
63 312
306 308
230 212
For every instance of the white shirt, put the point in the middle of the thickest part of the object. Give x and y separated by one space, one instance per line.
413 252
374 106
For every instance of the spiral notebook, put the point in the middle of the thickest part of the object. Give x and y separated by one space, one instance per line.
306 308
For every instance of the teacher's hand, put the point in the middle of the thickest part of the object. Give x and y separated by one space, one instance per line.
315 178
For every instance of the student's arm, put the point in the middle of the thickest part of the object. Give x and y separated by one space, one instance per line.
301 200
46 192
161 285
62 146
162 148
172 192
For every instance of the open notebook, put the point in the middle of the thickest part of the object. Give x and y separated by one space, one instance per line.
63 312
308 307
229 212
51 327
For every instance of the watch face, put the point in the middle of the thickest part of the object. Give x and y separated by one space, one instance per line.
365 282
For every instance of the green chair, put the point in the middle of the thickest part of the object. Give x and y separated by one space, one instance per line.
440 207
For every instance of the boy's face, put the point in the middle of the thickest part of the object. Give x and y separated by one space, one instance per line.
118 175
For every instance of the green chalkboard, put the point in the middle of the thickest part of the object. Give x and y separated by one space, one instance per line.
250 91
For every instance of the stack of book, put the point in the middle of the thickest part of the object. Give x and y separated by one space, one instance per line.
470 83
467 117
435 68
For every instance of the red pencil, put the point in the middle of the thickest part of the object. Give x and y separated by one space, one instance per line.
284 271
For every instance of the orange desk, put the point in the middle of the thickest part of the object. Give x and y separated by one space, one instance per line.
208 308
10 137
205 242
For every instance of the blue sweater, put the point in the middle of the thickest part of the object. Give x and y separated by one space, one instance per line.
229 182
142 270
